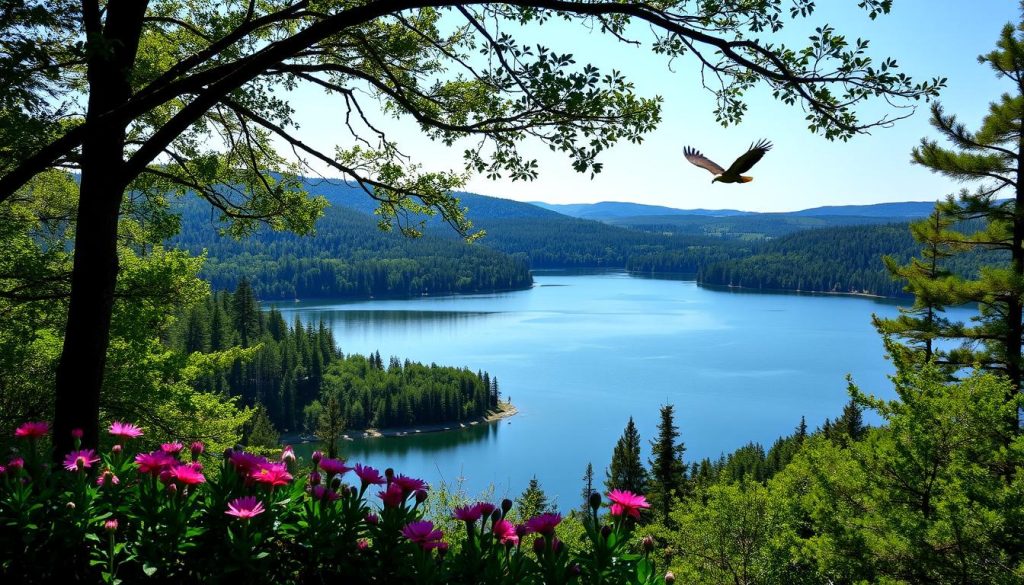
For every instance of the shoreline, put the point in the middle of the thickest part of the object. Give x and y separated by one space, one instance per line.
792 291
505 410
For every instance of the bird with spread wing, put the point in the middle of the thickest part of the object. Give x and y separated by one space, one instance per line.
740 165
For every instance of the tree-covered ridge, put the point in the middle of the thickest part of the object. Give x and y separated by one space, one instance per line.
296 372
349 257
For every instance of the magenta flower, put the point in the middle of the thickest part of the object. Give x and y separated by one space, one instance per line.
107 478
197 449
423 534
332 467
288 454
125 430
368 475
362 544
154 462
16 463
322 493
272 474
81 459
408 484
392 497
110 525
468 513
186 475
246 463
544 523
505 532
172 448
32 430
626 502
372 519
77 433
245 508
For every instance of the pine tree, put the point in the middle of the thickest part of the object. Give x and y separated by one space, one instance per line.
992 155
261 430
668 472
330 424
588 488
849 426
626 471
246 313
532 501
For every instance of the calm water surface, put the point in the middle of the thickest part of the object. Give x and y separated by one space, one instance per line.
580 353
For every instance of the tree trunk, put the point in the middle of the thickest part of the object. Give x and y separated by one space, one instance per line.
113 45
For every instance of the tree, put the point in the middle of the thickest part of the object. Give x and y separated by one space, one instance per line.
668 472
532 501
330 424
588 488
187 98
993 156
626 471
261 430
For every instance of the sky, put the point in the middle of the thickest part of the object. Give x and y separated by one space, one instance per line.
928 38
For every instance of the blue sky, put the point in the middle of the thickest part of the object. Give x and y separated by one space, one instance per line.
928 38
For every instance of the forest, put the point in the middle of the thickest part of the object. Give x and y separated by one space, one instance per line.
294 373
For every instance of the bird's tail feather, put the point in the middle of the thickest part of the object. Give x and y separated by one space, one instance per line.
745 179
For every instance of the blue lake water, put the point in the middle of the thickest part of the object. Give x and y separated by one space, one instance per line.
579 354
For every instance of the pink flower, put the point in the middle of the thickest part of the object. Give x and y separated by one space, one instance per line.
368 475
107 478
246 463
245 508
197 449
474 512
627 502
16 463
125 430
110 525
32 430
362 544
505 532
272 474
423 534
322 493
77 433
544 523
154 462
172 448
288 454
408 484
186 475
372 519
392 497
78 460
333 467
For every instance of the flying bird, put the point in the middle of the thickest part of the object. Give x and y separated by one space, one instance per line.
740 165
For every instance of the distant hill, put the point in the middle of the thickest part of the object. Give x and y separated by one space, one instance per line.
606 210
905 210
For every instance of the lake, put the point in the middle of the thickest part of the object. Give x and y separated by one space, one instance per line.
579 353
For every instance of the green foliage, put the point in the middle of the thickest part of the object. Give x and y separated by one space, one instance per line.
260 431
668 472
533 501
627 471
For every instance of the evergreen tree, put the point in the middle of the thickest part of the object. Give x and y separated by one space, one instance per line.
532 501
992 155
246 313
849 426
330 424
588 488
261 430
668 472
627 471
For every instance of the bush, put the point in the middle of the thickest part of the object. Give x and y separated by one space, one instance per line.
127 515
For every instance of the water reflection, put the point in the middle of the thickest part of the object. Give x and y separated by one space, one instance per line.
392 449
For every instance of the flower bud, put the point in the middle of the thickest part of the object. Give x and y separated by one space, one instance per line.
336 482
595 501
110 525
288 454
538 546
670 578
116 449
317 456
495 516
172 489
389 474
421 496
314 478
77 433
372 519
556 545
362 544
197 449
16 464
442 549
71 506
647 543
606 531
506 505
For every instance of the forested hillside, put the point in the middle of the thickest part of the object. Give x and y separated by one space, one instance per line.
348 257
292 370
